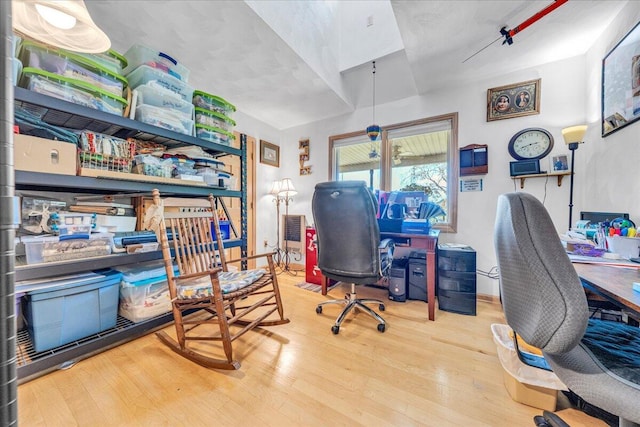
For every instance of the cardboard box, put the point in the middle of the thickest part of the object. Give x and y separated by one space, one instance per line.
35 154
531 395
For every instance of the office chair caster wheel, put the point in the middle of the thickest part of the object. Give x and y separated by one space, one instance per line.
381 307
335 329
319 309
381 327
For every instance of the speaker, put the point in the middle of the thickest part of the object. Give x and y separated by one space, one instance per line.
398 284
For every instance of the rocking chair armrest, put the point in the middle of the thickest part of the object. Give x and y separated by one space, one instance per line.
198 274
251 257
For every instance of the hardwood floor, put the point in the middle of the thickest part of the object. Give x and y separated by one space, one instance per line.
417 373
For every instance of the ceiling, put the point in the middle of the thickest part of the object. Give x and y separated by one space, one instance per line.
289 63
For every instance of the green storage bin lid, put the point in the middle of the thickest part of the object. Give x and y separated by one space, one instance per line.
215 114
215 99
88 87
123 61
215 129
82 60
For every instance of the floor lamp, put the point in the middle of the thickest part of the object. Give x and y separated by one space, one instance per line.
573 137
287 191
275 192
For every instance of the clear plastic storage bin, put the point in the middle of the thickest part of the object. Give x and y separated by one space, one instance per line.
138 55
157 96
164 118
145 74
73 66
212 102
110 60
59 248
214 119
71 90
213 134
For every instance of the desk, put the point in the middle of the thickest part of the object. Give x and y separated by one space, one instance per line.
614 283
430 243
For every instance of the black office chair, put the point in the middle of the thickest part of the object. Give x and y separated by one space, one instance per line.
348 241
545 304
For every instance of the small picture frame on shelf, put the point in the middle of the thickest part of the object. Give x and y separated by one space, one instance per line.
515 100
559 163
269 154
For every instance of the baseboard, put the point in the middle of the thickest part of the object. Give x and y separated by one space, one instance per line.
488 298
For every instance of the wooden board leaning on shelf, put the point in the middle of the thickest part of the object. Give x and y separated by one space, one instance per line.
99 173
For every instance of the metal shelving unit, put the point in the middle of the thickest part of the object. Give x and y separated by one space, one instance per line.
69 115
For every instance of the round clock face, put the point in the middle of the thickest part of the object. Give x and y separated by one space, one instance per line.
532 143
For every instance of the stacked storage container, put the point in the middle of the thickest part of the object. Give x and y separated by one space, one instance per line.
144 291
213 121
81 79
163 95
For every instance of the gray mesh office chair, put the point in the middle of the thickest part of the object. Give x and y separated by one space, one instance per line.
545 304
348 241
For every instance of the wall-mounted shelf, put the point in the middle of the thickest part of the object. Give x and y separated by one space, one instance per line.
560 175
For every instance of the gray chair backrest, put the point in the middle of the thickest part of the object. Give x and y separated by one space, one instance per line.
542 296
344 213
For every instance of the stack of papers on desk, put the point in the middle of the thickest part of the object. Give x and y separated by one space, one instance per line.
603 261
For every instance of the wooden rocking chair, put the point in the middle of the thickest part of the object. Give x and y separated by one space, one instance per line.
190 235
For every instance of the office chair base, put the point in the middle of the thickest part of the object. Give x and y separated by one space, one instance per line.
352 302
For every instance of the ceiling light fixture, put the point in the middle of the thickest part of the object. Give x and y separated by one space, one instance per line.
65 24
374 130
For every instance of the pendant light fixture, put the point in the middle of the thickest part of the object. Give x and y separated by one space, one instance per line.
64 24
374 130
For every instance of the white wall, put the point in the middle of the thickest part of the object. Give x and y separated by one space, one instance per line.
606 172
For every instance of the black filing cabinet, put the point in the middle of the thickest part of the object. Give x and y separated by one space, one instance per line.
457 278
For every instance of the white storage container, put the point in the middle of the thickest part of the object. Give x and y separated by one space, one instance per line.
138 55
145 74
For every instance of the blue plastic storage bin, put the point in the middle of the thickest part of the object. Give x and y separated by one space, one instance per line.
63 312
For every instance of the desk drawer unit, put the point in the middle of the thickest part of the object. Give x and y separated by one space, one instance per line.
457 279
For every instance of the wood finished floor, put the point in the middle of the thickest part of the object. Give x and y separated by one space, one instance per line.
417 373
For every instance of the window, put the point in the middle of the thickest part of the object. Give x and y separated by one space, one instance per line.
413 156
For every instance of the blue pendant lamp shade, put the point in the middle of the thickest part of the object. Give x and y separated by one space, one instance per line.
374 130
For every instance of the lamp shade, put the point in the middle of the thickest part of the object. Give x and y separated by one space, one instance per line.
275 188
286 188
574 134
64 24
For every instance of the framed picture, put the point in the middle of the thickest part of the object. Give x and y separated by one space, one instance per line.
516 100
621 83
303 145
269 154
559 163
306 170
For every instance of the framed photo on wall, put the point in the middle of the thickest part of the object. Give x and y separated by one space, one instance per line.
515 100
621 83
269 154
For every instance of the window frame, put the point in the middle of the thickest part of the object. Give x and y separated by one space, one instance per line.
386 162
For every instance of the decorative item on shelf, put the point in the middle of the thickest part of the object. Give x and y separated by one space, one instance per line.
374 130
474 159
65 24
573 137
621 83
515 100
269 154
303 145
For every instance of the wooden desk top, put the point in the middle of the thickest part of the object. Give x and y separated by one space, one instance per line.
613 282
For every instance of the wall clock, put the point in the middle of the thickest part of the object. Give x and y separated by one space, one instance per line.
530 143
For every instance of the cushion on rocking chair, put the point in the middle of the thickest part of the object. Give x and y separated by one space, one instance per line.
230 281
